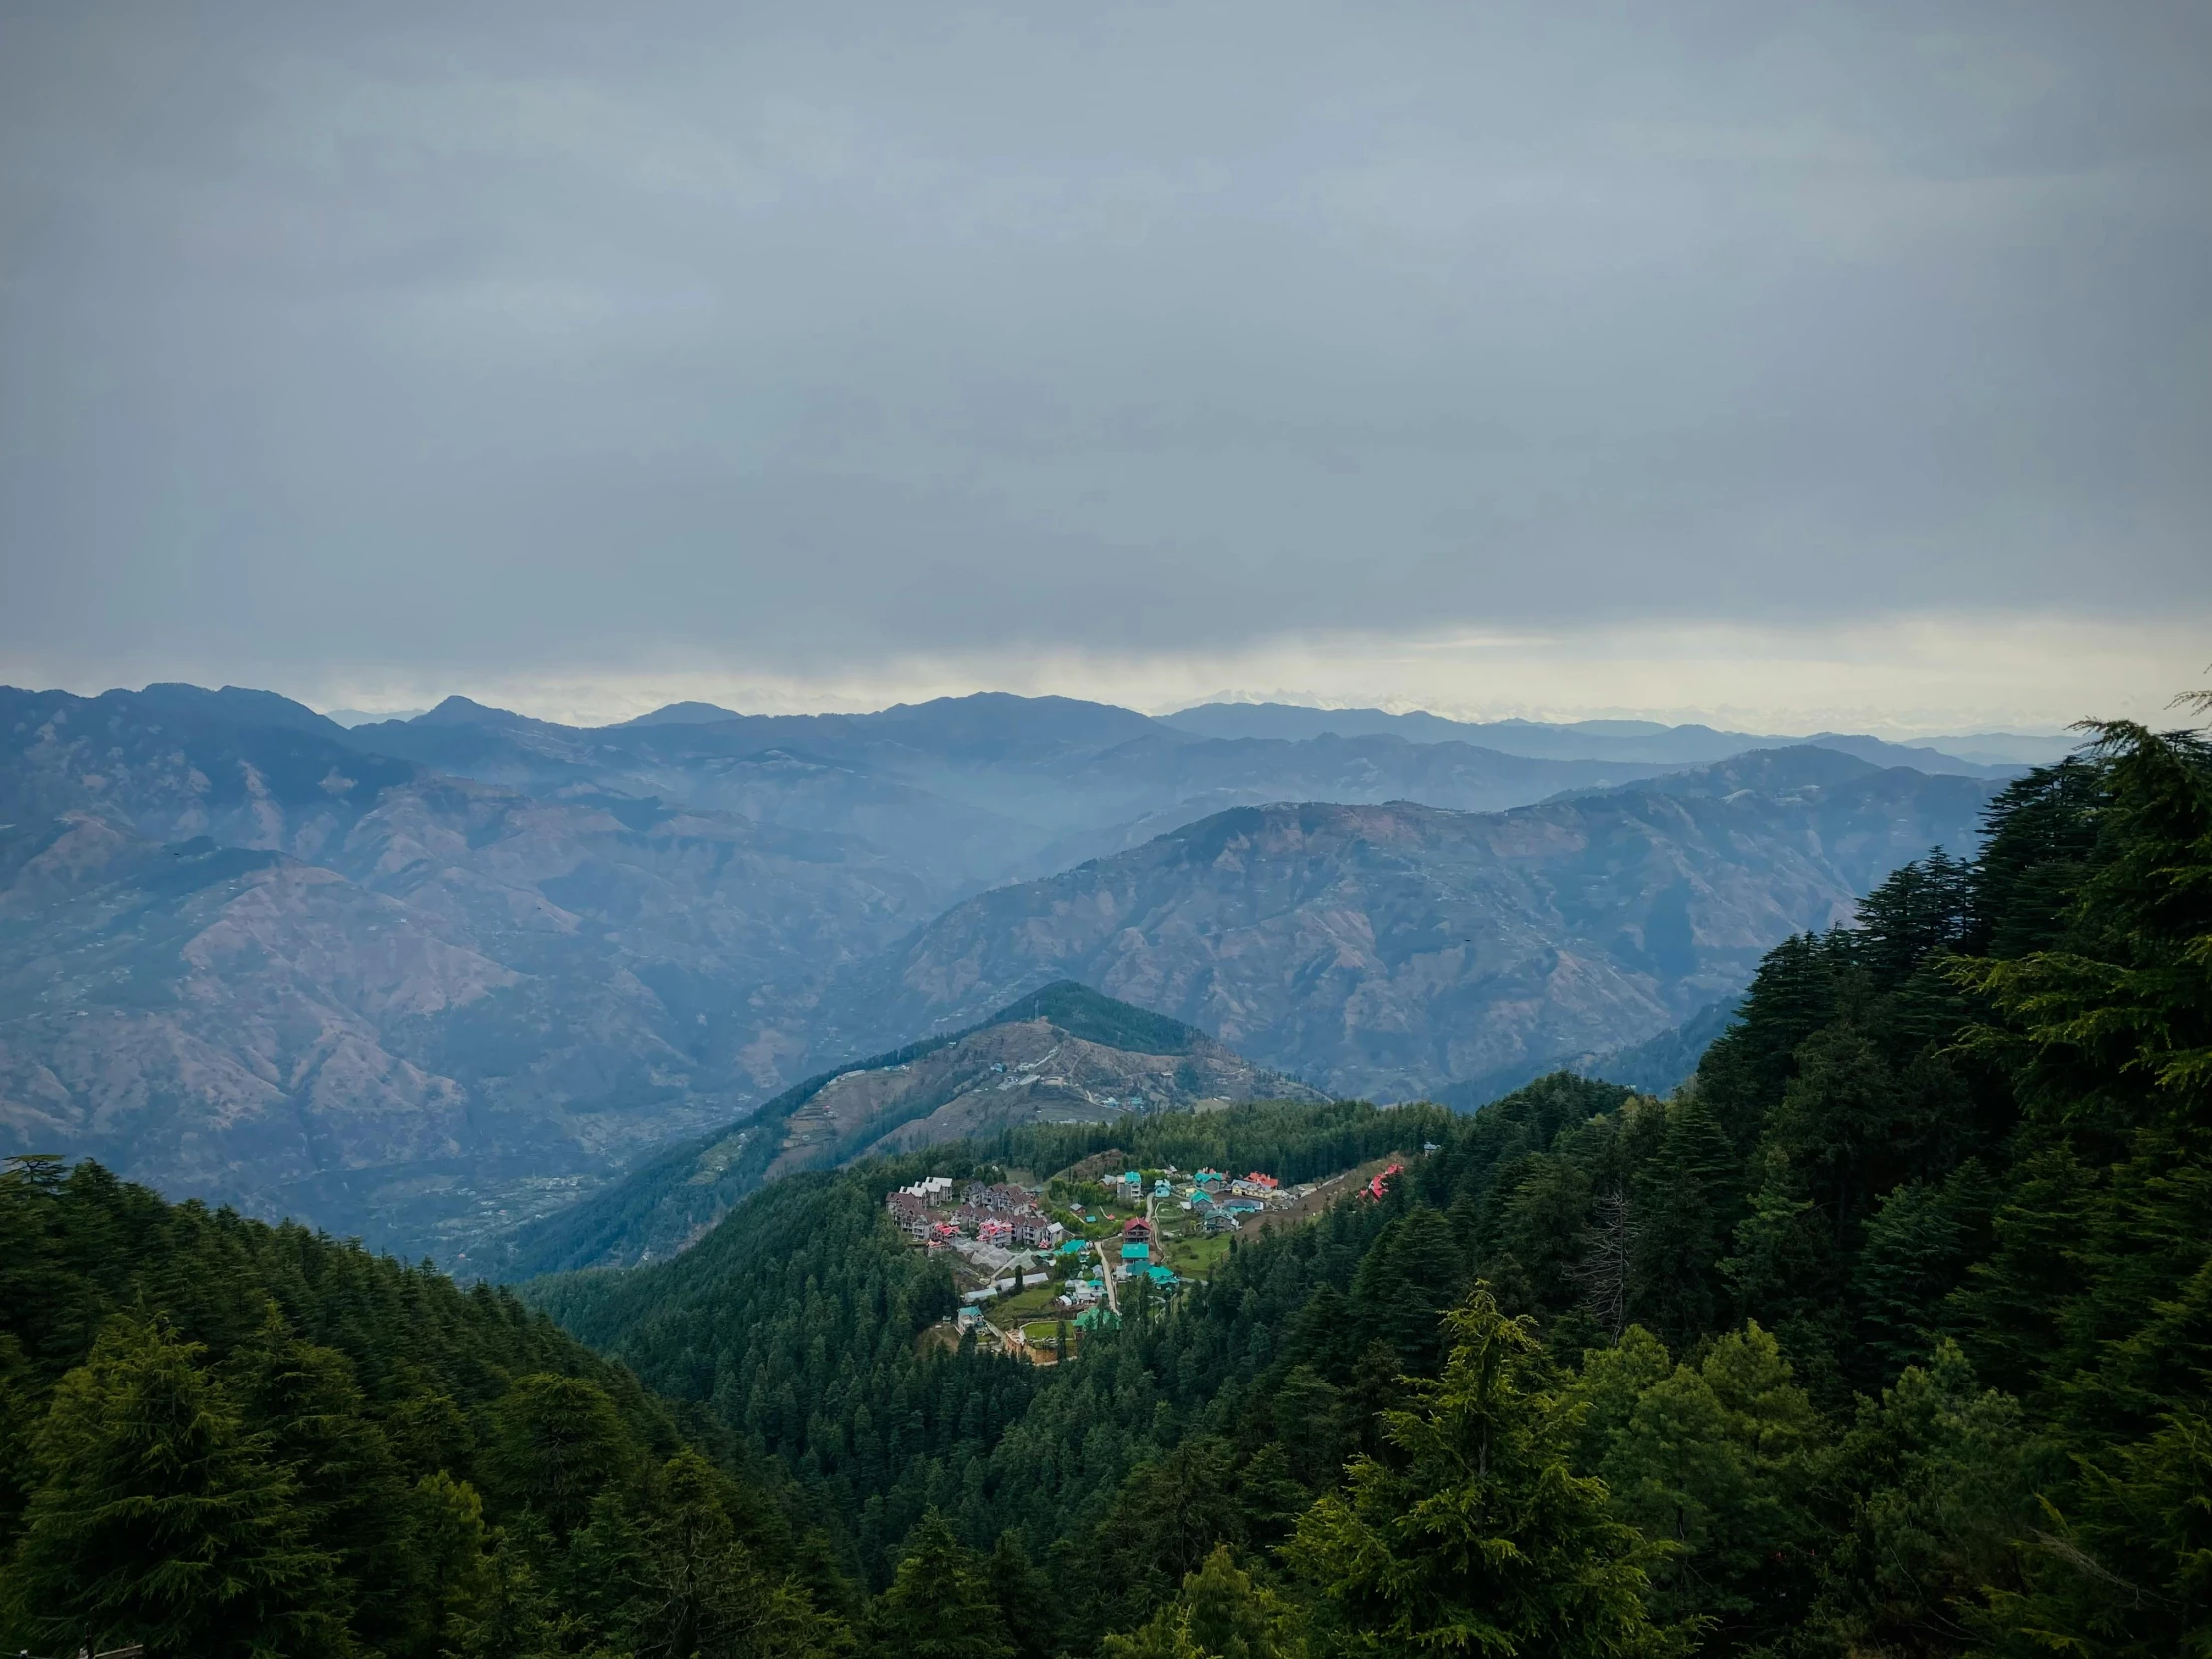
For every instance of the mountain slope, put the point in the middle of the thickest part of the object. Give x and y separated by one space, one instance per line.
250 964
1390 950
1061 1054
1655 1066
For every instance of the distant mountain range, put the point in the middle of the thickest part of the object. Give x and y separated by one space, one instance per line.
423 979
1061 1054
969 792
1988 754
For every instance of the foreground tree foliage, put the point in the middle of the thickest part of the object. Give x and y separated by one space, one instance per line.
1476 1538
1888 1335
224 1439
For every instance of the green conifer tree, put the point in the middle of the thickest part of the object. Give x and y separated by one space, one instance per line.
939 1605
1476 1538
556 1442
1221 1612
158 1520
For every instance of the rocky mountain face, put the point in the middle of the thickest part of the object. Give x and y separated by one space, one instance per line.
1387 950
252 964
1062 1054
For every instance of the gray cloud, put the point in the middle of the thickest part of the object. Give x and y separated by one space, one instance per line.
555 334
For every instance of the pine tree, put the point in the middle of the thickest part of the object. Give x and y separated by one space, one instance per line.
1940 1484
556 1442
1920 1241
448 1546
1406 1282
1476 1538
158 1520
939 1605
1718 1458
315 1424
1221 1612
1023 1598
1687 1201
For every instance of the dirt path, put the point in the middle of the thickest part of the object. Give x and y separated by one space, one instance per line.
1106 1271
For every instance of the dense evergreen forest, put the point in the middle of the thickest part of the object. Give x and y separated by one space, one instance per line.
1888 1334
218 1438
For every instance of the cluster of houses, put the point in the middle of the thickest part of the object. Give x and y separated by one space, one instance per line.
1221 1202
996 1213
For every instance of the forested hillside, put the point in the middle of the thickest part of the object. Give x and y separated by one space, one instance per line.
1886 1335
1060 1055
218 1438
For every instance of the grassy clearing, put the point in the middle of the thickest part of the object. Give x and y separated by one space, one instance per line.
1032 1297
1196 1257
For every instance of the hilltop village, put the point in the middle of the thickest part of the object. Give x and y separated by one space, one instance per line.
1039 1269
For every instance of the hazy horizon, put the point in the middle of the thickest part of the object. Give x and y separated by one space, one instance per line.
1785 368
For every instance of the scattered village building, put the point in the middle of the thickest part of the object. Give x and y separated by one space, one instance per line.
910 1213
1003 1196
1381 1182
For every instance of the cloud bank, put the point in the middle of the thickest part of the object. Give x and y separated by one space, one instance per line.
1698 358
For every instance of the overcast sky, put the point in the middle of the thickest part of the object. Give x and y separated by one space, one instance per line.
1786 362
